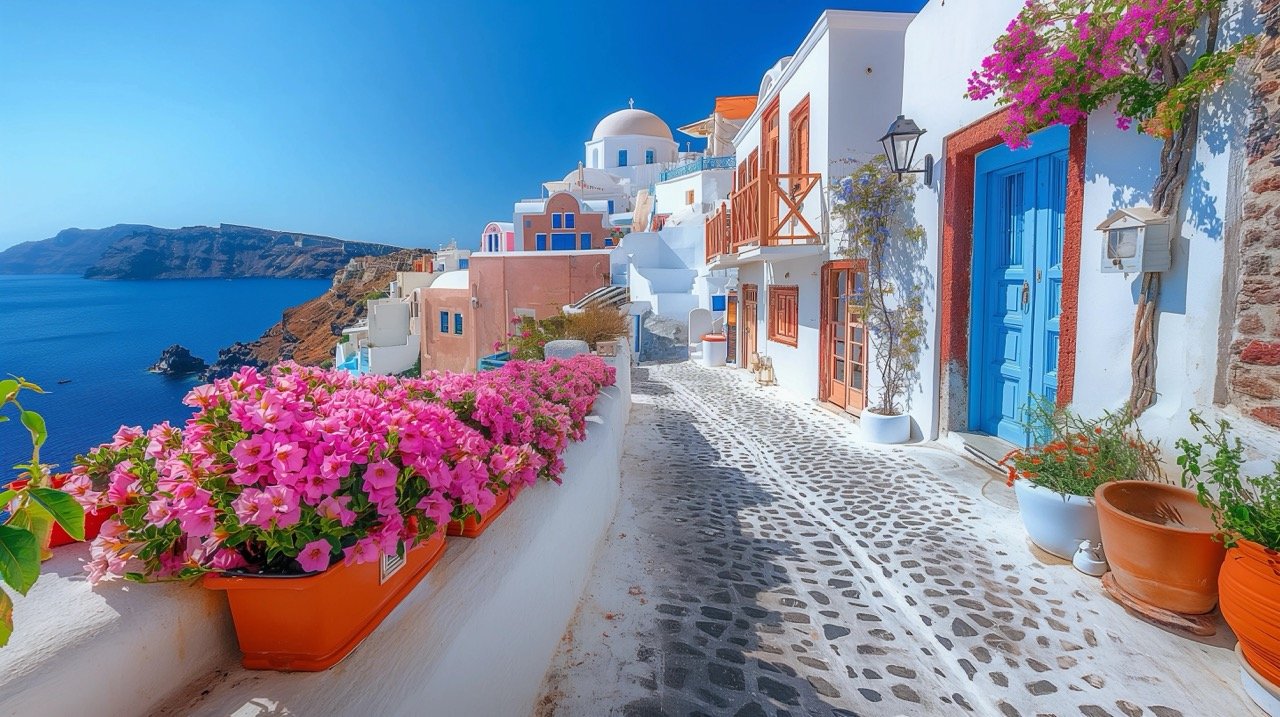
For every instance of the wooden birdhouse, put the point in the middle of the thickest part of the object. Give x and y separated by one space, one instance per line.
1137 242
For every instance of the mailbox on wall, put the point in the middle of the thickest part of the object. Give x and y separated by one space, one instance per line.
1137 241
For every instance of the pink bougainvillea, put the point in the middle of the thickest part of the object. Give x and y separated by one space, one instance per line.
288 471
1059 60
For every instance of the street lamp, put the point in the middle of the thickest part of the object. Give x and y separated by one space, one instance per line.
900 149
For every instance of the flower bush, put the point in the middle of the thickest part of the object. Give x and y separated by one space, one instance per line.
288 471
1244 508
1076 455
1059 60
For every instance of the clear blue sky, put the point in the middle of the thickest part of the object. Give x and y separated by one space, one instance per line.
406 123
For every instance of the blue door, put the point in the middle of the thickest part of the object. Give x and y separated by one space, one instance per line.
1018 222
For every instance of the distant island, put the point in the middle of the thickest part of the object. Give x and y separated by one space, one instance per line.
227 251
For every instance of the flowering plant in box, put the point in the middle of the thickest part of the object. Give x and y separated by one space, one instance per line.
1076 455
286 472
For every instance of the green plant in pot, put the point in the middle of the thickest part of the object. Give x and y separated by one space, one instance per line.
1246 509
1055 480
33 507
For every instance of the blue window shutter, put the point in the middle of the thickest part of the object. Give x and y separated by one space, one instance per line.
444 322
608 242
584 241
555 221
464 263
718 302
457 324
648 156
562 241
568 220
611 206
622 158
542 242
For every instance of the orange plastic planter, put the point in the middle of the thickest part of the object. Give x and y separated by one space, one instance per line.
475 525
1249 593
310 623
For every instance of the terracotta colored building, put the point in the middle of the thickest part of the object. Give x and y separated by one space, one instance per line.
565 224
466 312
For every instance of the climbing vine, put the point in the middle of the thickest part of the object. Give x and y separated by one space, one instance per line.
1060 60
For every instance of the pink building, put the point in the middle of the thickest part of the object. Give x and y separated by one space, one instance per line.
563 223
464 313
498 237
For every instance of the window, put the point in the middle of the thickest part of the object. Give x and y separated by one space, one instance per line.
608 241
784 314
541 242
457 324
798 144
648 156
611 206
444 322
595 158
584 241
688 197
568 220
622 158
464 263
557 220
528 223
562 241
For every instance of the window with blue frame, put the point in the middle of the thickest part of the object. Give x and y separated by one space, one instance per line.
457 324
648 156
563 241
584 241
608 242
464 263
557 220
611 206
541 242
568 220
444 322
622 158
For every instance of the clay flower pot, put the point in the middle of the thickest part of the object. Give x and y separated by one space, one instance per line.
310 622
1250 595
475 525
1054 521
1161 545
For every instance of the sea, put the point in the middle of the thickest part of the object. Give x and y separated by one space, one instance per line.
88 344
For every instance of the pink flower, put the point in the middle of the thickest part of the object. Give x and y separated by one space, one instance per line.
315 556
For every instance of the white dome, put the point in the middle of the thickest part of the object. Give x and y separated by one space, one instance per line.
593 178
451 280
631 122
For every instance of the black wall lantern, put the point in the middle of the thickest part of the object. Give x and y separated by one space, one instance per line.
900 149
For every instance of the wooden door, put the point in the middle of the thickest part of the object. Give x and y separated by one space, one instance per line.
750 321
770 143
1019 218
844 337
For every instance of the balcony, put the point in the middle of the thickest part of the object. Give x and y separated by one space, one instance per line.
717 233
698 165
767 211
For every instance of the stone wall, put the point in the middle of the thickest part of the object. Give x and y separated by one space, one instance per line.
1254 376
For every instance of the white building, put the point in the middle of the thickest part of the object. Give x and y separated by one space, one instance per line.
631 144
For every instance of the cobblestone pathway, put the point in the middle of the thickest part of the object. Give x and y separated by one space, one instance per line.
763 562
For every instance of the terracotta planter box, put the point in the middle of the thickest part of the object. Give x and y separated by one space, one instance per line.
474 526
1161 545
1249 586
311 622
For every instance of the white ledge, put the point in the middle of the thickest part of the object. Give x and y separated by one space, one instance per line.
475 636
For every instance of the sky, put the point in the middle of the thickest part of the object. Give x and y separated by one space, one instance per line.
408 123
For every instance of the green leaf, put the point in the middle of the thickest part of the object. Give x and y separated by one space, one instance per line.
35 424
19 558
6 496
6 618
62 507
8 388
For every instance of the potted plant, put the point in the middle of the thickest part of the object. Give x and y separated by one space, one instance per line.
318 499
33 509
873 204
1056 479
1247 512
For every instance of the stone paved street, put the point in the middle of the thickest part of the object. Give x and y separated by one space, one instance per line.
765 562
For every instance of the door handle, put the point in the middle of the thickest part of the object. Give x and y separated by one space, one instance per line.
1026 294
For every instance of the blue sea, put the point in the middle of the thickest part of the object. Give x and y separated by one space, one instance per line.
101 336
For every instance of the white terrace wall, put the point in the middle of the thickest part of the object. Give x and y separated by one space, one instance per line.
475 637
945 42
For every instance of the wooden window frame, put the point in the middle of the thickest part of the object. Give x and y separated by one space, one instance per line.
784 314
797 161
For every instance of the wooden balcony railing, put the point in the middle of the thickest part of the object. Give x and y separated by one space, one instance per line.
769 211
718 240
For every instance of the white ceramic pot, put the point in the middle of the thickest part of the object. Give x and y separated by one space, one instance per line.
1263 693
885 429
1057 522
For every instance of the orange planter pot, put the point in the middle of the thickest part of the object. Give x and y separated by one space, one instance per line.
474 526
1249 586
1160 544
310 623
